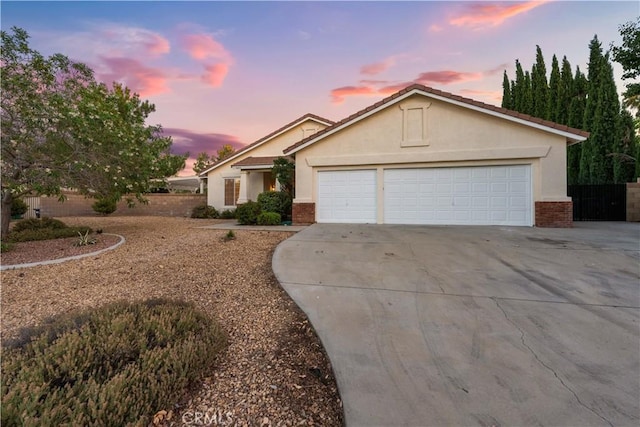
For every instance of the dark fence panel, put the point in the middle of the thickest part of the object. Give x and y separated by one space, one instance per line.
607 202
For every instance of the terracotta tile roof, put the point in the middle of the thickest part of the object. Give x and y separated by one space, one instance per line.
472 102
258 161
265 138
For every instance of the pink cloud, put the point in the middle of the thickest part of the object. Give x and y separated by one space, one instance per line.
446 77
203 46
484 15
378 67
214 74
435 28
157 45
338 95
141 79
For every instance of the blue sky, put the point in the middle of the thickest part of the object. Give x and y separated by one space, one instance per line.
231 72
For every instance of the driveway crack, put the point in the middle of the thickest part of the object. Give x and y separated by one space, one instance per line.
535 355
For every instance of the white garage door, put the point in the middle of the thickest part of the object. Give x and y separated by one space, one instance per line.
490 195
347 196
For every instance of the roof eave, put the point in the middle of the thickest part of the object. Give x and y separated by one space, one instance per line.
572 137
301 120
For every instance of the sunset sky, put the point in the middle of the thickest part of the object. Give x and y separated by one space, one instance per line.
231 72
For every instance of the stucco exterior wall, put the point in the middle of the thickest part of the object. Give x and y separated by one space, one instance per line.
452 136
273 147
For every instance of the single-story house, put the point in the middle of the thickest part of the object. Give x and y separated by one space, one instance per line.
419 156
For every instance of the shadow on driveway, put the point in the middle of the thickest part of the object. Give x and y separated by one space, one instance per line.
434 325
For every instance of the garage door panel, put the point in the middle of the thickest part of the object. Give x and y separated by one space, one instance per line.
466 195
346 196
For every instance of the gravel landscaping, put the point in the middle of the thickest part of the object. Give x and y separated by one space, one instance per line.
274 371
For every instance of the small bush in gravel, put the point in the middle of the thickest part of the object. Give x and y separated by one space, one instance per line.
112 366
231 235
105 206
276 201
204 211
228 214
5 247
247 213
269 218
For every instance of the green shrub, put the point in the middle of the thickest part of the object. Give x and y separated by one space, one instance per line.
5 247
231 235
105 206
276 201
204 211
112 366
269 218
18 207
247 213
46 234
39 223
228 214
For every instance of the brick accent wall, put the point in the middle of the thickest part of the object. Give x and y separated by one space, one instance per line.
633 201
304 213
159 205
554 214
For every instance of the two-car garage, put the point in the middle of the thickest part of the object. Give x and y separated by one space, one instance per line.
482 195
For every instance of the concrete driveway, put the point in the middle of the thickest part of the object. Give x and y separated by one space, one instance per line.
489 326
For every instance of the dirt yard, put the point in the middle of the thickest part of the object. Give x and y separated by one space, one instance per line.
274 371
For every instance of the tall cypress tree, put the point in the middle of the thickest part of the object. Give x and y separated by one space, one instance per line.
563 101
554 92
589 152
518 89
577 102
605 126
624 159
539 87
507 102
527 95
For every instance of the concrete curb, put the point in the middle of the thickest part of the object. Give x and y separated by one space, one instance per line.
61 260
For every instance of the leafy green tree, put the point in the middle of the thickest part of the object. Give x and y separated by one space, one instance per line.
628 55
518 92
202 161
527 94
224 152
625 153
285 172
62 129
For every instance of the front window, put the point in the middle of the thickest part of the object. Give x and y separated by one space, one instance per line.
231 191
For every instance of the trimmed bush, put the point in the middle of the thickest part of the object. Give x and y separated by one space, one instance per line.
247 213
18 207
105 206
269 218
46 234
111 366
46 228
228 214
38 224
204 211
276 201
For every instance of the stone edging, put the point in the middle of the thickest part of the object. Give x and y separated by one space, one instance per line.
61 260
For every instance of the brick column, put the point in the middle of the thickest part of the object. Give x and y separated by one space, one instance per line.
554 214
303 213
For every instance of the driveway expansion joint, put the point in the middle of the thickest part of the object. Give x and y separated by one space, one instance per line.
549 368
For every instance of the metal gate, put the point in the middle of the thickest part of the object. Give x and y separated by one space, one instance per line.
606 202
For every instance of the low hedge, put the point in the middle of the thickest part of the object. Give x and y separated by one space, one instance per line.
28 230
112 366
